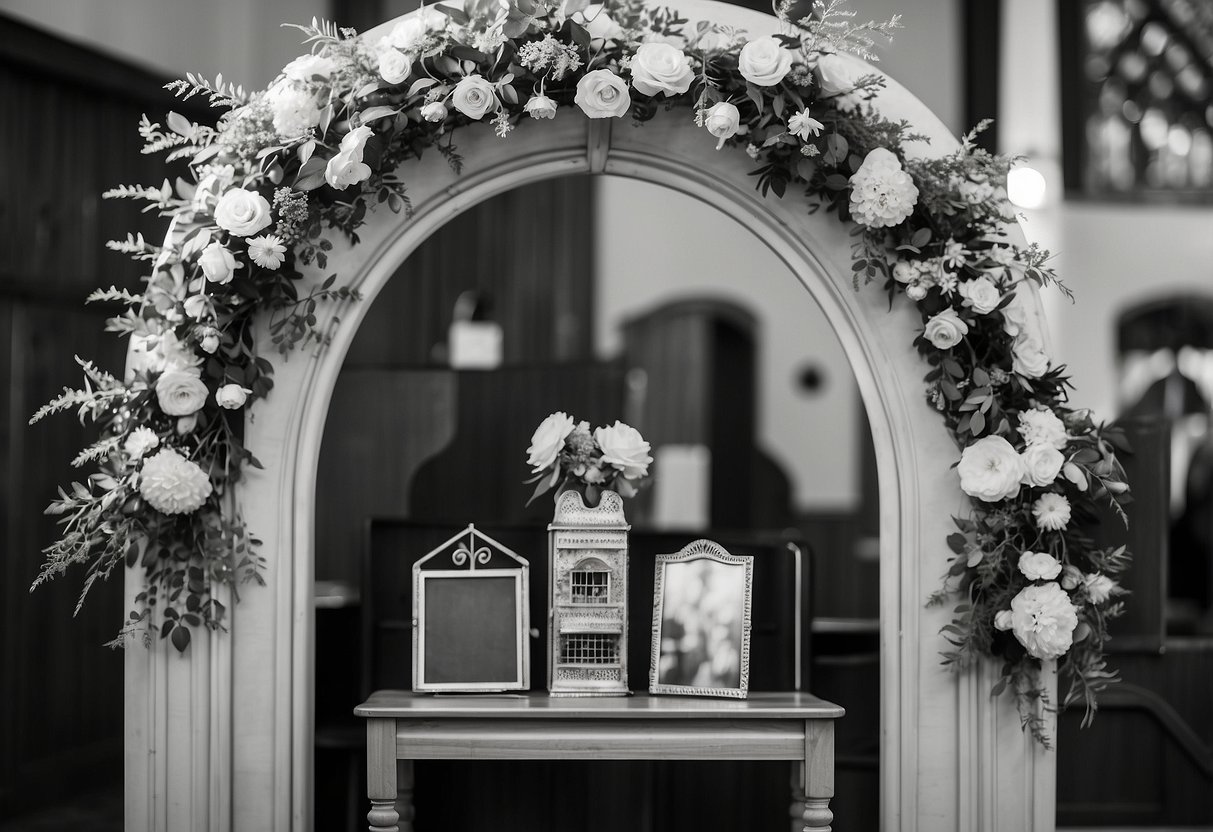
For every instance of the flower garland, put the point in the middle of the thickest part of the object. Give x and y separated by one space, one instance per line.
328 140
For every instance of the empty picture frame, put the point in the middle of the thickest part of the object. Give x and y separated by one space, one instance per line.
471 617
701 622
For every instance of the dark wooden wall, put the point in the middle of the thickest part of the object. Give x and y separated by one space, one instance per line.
67 135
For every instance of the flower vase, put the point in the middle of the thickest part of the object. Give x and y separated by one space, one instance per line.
587 596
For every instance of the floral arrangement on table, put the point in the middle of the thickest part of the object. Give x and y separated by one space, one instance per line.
565 452
285 169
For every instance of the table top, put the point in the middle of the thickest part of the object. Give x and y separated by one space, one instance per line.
399 704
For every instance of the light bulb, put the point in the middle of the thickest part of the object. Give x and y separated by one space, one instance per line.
1026 187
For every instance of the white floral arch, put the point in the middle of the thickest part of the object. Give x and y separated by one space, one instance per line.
220 738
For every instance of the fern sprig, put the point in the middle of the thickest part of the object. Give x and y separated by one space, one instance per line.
219 93
830 28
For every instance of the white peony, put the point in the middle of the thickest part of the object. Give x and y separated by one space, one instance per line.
540 106
1042 427
1052 512
764 62
1041 465
602 94
661 68
1028 358
1099 587
721 120
232 396
295 110
548 440
217 263
307 67
474 97
945 330
832 75
409 35
140 441
1043 619
241 213
180 392
173 484
1039 566
882 194
981 295
990 469
624 449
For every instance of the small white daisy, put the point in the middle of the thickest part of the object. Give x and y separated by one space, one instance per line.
804 125
267 251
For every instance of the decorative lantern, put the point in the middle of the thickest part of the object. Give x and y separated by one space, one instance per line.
588 597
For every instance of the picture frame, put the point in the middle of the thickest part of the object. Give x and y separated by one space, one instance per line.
471 617
702 598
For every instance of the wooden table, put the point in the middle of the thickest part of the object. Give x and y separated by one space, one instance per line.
534 726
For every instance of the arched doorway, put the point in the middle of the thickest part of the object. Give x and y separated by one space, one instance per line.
225 732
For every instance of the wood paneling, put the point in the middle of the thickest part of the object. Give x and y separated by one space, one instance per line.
70 134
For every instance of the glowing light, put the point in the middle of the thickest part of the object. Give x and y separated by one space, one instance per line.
1026 187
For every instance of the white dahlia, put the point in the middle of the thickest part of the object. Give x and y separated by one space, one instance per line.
173 484
882 193
1043 619
1052 512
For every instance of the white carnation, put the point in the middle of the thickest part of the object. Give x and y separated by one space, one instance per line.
140 441
173 484
1052 512
295 110
1042 427
882 193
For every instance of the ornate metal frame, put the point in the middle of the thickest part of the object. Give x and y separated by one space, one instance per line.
470 551
702 550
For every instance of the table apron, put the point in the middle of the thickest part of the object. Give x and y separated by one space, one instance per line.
609 739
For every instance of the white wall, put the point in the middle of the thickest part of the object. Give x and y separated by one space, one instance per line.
242 39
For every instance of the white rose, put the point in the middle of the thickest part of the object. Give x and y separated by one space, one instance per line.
1042 427
832 75
217 263
1039 566
1041 465
721 120
345 169
474 97
602 94
1003 620
764 62
540 106
180 392
1099 587
1014 317
905 272
140 441
209 341
990 469
548 440
242 212
661 68
394 65
232 396
1043 619
624 449
306 67
598 23
173 484
981 295
916 291
295 110
1028 358
434 112
882 193
946 329
1052 512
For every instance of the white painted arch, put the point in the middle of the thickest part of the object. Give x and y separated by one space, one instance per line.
221 739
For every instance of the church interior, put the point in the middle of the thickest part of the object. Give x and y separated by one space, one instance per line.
613 298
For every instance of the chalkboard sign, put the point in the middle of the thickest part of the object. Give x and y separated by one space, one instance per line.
471 617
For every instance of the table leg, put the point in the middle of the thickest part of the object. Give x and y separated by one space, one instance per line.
796 810
381 774
818 774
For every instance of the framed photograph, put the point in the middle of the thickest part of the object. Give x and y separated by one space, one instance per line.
701 622
471 617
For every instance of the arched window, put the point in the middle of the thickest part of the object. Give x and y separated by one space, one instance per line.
590 582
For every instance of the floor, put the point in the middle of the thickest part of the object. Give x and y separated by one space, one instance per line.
98 811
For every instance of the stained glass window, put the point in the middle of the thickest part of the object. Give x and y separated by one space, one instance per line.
1138 98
